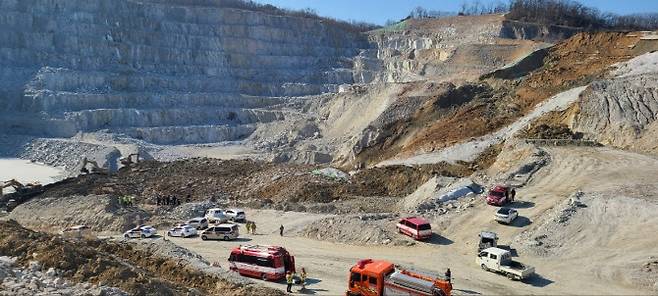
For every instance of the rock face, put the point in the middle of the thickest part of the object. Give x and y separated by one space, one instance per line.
161 71
622 111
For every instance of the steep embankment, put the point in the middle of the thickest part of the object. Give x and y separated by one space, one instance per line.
573 63
621 111
161 71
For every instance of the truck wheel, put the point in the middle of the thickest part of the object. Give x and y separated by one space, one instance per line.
263 276
142 236
511 276
484 267
126 236
203 237
225 238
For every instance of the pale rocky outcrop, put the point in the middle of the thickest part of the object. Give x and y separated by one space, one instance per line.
164 71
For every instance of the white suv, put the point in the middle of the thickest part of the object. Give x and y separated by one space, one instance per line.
236 215
216 215
198 223
182 231
142 231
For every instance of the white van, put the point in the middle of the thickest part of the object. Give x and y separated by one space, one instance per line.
216 215
228 231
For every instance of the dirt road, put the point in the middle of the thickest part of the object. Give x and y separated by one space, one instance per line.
571 169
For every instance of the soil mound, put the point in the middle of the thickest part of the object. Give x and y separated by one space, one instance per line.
131 269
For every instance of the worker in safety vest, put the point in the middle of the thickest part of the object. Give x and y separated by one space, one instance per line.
302 278
289 281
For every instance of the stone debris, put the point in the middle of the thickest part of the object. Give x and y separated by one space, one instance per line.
33 281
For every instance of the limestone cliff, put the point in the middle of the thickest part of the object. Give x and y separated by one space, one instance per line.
162 71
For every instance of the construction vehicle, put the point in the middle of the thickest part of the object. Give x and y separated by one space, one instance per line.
94 168
382 278
488 239
128 160
500 261
22 193
19 187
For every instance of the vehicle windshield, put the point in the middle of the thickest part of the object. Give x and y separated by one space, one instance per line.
487 240
496 193
504 211
424 227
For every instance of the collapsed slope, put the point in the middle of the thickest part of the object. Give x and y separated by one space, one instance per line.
497 102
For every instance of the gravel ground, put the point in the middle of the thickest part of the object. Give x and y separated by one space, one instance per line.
33 281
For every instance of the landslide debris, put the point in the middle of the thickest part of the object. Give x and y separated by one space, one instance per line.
249 180
134 270
30 280
495 103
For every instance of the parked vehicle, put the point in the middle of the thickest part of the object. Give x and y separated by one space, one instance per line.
198 223
506 215
182 231
78 232
488 239
417 228
142 231
236 215
382 278
500 261
216 215
227 231
269 263
499 195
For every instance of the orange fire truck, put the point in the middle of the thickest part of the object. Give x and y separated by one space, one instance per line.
382 278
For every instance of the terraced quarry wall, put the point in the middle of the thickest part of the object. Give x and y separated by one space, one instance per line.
160 71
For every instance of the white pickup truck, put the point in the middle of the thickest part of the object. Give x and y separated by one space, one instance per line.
500 261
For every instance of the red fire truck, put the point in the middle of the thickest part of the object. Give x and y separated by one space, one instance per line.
269 263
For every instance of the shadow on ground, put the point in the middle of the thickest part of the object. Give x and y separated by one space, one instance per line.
521 204
538 281
436 239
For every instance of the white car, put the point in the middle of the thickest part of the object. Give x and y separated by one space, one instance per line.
198 223
142 231
236 215
182 231
506 215
216 216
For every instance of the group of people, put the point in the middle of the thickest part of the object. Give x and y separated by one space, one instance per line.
169 200
290 280
251 227
127 200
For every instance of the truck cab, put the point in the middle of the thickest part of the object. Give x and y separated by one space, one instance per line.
382 278
488 239
500 261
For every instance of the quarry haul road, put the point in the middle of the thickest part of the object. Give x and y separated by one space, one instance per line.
571 169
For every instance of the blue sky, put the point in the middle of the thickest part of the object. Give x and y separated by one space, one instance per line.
378 11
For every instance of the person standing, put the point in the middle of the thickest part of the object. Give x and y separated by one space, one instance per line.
253 227
248 226
281 230
289 282
302 278
448 275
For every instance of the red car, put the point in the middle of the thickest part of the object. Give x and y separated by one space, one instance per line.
500 195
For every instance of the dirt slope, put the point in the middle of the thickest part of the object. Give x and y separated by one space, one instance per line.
116 264
572 63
